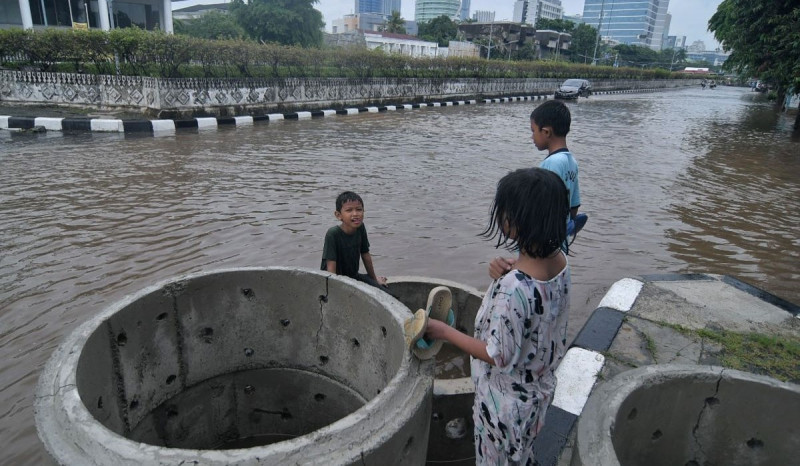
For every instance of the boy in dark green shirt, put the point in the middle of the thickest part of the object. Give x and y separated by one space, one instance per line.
347 243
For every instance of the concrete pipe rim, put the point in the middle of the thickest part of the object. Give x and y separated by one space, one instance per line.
595 425
64 423
444 387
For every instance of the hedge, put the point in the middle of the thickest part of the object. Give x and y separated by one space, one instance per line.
135 52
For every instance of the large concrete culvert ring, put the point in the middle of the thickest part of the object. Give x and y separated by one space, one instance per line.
244 366
689 416
451 433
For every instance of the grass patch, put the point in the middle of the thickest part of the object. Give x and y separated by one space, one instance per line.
761 354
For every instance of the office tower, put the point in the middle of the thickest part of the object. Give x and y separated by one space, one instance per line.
464 12
427 10
627 21
381 7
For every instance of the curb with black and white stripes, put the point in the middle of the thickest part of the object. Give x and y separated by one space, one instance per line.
168 126
577 373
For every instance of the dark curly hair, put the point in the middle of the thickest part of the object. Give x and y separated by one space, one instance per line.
529 212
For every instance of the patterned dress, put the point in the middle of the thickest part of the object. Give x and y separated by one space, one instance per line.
524 323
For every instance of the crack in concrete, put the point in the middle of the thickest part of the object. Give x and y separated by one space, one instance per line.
696 427
323 299
57 392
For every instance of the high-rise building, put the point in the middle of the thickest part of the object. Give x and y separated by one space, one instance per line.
463 13
662 26
528 11
427 10
381 7
632 22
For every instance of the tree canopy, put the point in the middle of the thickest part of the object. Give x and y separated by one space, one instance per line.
395 23
289 22
560 25
763 37
441 30
212 25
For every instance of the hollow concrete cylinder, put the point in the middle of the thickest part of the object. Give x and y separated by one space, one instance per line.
244 366
451 429
689 416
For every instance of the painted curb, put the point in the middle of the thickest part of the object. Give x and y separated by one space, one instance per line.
16 123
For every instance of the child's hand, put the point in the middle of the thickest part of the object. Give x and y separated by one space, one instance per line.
499 266
382 281
436 329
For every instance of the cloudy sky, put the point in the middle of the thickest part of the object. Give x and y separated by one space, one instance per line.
689 17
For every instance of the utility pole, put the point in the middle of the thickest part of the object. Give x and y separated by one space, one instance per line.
599 26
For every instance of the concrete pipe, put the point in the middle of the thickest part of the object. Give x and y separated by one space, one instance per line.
450 437
689 415
244 366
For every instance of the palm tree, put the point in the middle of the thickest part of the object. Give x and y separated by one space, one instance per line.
395 23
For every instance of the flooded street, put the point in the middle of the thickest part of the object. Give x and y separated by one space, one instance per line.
683 181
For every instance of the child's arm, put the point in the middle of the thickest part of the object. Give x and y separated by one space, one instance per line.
330 266
472 346
367 258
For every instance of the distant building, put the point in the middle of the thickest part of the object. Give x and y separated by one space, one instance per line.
400 43
715 57
504 37
96 14
697 46
358 22
426 10
632 22
381 7
191 9
529 11
463 49
577 19
483 16
463 13
665 33
661 29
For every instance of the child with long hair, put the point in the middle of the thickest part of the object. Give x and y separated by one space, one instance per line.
521 326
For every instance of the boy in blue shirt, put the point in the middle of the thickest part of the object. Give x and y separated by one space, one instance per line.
346 244
550 124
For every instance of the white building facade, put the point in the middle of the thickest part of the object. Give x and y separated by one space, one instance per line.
401 43
83 14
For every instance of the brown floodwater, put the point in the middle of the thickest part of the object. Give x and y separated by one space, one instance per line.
685 181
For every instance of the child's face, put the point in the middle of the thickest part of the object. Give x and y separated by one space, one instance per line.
540 136
351 215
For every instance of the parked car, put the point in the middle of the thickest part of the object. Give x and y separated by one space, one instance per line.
574 88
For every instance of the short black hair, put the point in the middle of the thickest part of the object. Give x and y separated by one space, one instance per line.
347 196
554 114
533 203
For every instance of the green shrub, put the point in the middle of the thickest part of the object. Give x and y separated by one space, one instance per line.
136 52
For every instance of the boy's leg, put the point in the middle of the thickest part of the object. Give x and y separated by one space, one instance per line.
362 277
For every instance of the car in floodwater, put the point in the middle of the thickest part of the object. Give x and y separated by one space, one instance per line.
574 88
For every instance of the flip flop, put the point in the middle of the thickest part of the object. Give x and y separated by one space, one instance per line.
439 307
414 327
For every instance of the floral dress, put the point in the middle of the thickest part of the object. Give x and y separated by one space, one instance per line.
524 323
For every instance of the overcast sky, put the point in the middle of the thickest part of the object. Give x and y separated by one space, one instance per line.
689 17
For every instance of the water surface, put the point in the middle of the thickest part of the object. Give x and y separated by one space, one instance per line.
680 181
